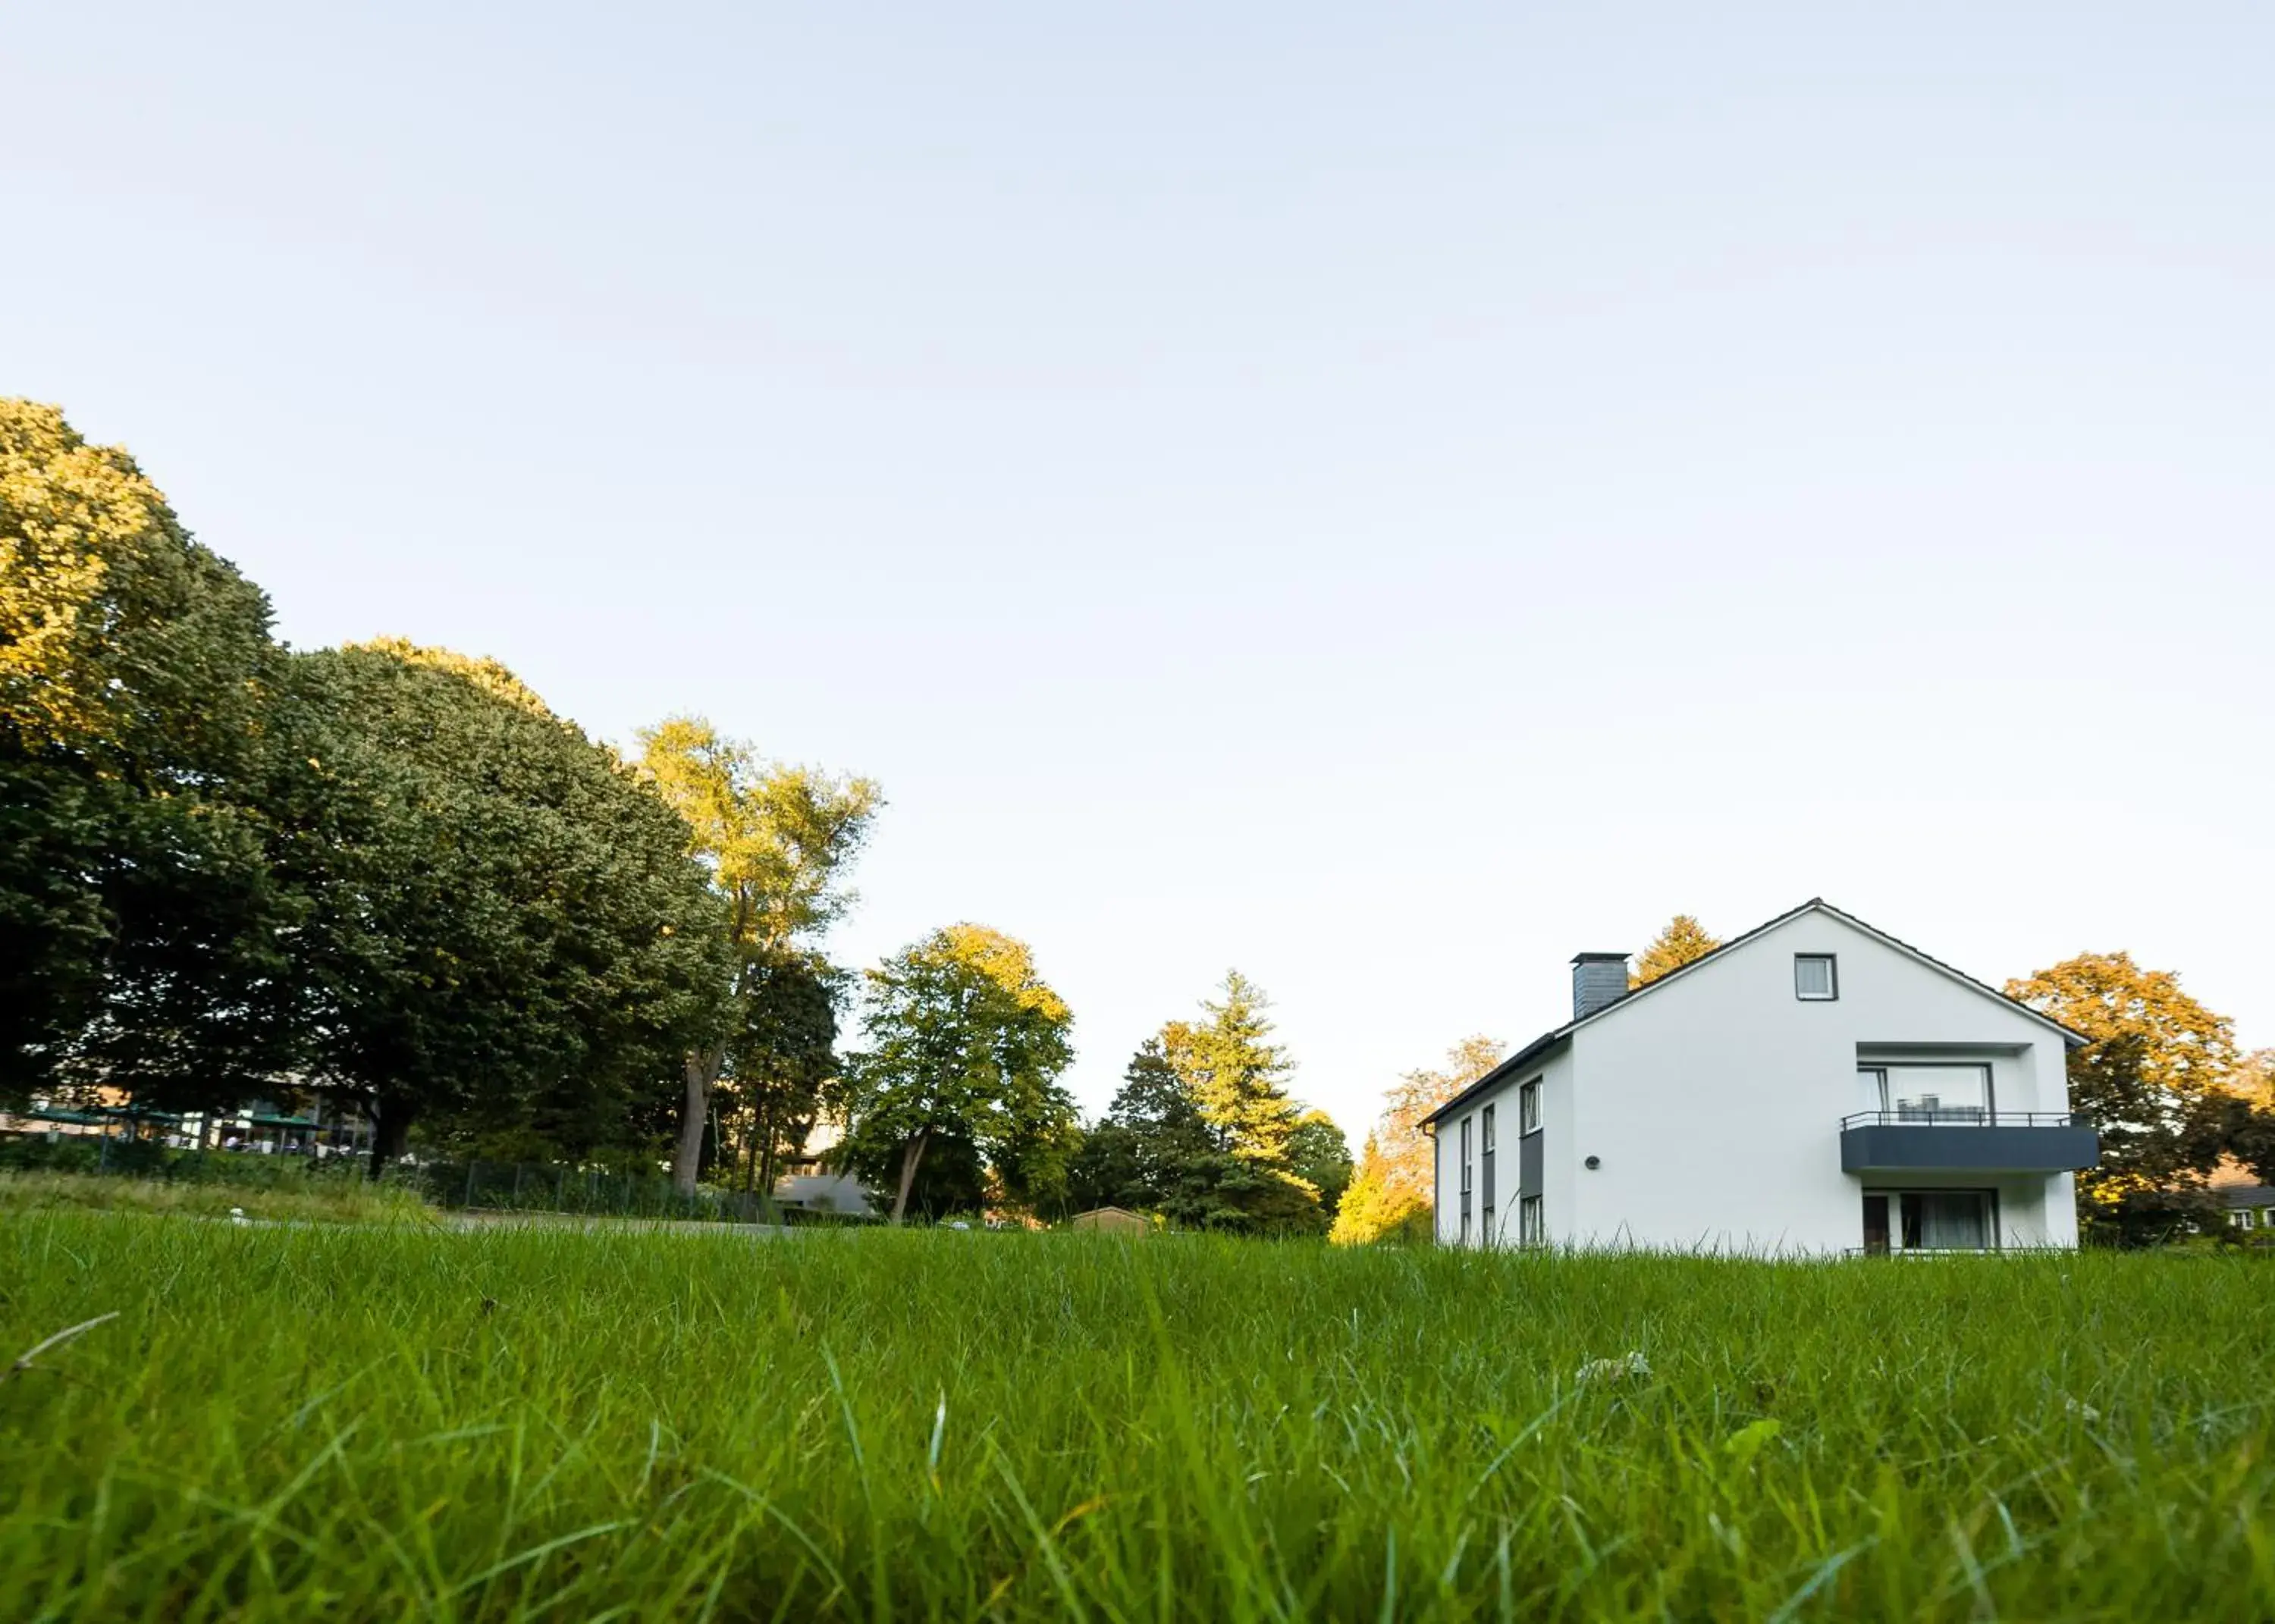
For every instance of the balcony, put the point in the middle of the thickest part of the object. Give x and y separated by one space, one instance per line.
1967 1140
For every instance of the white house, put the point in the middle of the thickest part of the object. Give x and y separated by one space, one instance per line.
1812 1086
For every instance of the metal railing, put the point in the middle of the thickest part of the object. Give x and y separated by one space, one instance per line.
1963 1117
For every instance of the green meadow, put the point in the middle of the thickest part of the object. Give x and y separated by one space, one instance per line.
392 1421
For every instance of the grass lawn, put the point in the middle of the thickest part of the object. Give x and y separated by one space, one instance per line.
343 1198
390 1421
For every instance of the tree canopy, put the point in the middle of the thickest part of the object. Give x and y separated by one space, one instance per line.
1203 1130
2155 1080
384 872
963 1039
1318 1154
138 917
1683 940
502 922
1152 1149
776 840
1391 1193
1235 1073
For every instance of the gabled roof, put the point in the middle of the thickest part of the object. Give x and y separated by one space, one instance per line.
1549 1042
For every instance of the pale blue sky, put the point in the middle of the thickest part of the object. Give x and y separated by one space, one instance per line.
1385 497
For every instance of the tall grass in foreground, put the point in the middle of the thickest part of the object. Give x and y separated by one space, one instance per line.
391 1423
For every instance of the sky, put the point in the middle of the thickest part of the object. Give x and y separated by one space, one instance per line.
1385 498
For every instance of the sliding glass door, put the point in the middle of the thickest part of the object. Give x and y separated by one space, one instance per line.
1930 1221
1927 1093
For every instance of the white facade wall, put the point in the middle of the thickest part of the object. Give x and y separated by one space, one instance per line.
1558 1159
1714 1103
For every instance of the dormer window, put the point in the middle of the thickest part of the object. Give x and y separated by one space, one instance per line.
1815 980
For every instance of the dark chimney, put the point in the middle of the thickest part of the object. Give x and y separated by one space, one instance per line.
1598 980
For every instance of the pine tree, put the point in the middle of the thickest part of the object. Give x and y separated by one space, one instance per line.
1152 1151
1235 1073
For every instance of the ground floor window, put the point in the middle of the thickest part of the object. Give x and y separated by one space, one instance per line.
1489 1226
1532 1224
1930 1221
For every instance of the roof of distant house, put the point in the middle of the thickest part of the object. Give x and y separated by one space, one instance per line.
1549 1042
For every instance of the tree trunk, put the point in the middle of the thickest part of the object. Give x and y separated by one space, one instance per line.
391 1131
911 1153
687 1160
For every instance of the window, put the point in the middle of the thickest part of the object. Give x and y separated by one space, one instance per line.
1528 1107
2241 1218
1913 1093
1531 1226
1467 1122
1815 976
1485 1193
1930 1221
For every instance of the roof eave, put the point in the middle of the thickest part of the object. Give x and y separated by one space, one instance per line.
1539 1048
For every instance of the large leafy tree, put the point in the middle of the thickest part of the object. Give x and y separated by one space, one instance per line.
1033 1171
1682 941
2252 1080
951 1179
2155 1078
781 1056
965 1039
138 917
776 840
2251 1137
504 930
1391 1194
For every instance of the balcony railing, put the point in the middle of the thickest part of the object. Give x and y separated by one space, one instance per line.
1967 1140
1964 1117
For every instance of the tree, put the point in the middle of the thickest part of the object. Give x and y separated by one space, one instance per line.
1684 939
503 932
782 1056
1319 1155
2155 1078
138 920
1235 1073
2253 1079
1392 1193
1377 1208
1033 1171
776 840
965 1039
950 1178
1152 1151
